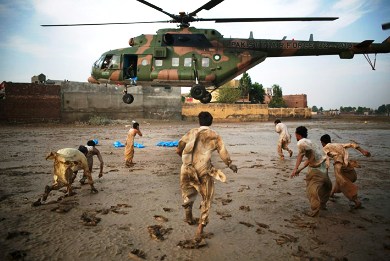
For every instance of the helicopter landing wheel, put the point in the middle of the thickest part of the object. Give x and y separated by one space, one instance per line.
207 98
198 92
128 98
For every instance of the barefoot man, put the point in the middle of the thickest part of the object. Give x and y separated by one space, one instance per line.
197 174
284 138
344 170
318 184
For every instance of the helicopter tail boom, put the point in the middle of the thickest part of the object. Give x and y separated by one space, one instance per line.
387 40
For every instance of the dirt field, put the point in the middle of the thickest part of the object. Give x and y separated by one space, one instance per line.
256 215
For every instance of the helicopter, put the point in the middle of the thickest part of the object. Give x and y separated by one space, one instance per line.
203 58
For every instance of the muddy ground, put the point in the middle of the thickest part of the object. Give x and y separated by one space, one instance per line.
258 214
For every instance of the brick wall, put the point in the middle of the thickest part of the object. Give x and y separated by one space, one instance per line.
296 101
28 102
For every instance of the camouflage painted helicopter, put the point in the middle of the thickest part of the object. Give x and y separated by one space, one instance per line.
202 58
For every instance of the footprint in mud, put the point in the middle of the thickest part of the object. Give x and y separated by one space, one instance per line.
13 234
224 215
224 201
245 208
243 187
195 243
286 238
158 232
115 209
65 206
137 254
160 218
246 224
90 219
18 255
256 166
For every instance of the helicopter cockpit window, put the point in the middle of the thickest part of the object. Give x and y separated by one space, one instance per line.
205 62
158 63
98 63
115 61
107 61
187 62
175 62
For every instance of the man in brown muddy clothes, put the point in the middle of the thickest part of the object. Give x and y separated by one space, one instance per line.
284 138
344 170
318 184
197 174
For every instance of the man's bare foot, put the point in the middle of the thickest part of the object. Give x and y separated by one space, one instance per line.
281 158
199 232
190 221
358 204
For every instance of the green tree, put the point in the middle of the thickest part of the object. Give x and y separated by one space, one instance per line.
277 98
384 109
245 84
227 94
347 109
314 109
256 93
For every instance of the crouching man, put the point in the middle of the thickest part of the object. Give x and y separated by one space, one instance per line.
66 164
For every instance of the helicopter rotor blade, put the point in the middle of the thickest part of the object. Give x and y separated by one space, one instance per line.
209 5
157 8
271 19
57 25
386 26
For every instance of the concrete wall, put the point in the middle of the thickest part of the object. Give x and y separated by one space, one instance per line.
227 112
289 112
83 100
76 101
242 112
162 103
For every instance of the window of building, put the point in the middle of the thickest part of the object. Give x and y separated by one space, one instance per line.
158 63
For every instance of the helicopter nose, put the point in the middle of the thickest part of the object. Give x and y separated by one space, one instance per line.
92 80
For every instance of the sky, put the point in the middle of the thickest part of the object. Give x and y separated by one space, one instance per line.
27 49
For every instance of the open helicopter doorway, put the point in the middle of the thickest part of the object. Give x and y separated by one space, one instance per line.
129 75
130 66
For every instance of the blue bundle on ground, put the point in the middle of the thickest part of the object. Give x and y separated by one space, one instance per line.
138 145
174 143
118 144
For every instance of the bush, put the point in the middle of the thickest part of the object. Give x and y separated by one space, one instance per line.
98 120
228 95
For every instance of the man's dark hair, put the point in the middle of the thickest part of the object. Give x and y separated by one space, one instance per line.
301 130
83 149
135 125
91 143
205 118
277 121
325 139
